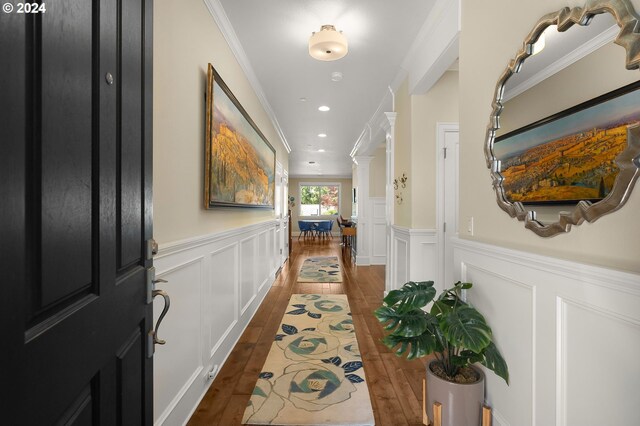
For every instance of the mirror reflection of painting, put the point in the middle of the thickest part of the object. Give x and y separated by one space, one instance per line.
240 169
570 156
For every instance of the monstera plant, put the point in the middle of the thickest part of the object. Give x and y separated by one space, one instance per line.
452 329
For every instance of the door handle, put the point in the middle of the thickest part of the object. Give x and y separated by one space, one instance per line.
167 304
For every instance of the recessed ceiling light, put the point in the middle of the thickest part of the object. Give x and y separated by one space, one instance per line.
336 76
322 135
321 150
323 108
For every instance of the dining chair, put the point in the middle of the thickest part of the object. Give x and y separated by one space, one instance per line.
305 228
324 228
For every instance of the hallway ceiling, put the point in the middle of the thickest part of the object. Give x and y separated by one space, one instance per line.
274 36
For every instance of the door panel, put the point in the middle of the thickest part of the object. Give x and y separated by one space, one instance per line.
75 171
65 73
130 110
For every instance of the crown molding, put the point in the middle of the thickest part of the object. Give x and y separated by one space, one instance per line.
572 57
222 21
438 41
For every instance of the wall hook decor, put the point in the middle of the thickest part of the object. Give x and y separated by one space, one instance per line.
400 182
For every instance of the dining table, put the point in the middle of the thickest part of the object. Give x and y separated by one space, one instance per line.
316 223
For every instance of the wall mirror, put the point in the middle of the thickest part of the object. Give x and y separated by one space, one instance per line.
563 141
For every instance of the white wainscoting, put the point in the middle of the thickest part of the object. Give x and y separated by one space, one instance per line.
569 332
413 254
216 283
378 231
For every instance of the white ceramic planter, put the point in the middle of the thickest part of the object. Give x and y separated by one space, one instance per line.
461 403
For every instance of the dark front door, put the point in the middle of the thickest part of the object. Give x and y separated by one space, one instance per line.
75 213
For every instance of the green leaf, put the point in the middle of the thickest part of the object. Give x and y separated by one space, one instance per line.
407 324
411 296
466 286
422 345
493 361
472 357
459 361
465 327
441 308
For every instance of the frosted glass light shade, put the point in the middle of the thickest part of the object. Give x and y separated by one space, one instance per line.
328 44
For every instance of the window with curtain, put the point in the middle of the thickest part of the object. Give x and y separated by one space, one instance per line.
319 199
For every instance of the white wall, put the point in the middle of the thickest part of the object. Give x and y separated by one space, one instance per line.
378 231
378 173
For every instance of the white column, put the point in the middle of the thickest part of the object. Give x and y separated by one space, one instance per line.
363 255
389 128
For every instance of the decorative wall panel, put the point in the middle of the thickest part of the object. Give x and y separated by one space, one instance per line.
216 283
569 332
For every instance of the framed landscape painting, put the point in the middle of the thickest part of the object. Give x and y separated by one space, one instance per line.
569 156
239 161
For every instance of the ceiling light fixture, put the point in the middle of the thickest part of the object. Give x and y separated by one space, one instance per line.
322 135
321 150
328 44
324 108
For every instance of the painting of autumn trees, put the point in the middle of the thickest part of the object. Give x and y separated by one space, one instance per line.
571 156
240 163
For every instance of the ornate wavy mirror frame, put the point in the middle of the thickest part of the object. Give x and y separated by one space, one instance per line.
628 161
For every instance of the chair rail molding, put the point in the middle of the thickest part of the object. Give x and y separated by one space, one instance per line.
413 256
216 282
554 320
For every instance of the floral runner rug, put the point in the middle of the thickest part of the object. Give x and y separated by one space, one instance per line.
324 269
313 374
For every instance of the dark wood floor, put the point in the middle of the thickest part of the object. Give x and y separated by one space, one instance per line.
395 384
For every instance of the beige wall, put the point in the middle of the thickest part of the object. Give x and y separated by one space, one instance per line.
402 153
346 192
578 83
493 31
439 104
186 39
378 173
415 147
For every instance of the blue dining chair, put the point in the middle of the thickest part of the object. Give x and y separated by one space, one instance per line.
305 228
324 228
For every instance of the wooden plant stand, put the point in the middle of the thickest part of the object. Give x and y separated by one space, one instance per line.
437 411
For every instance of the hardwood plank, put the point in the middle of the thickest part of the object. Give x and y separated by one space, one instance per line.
234 411
410 404
395 384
